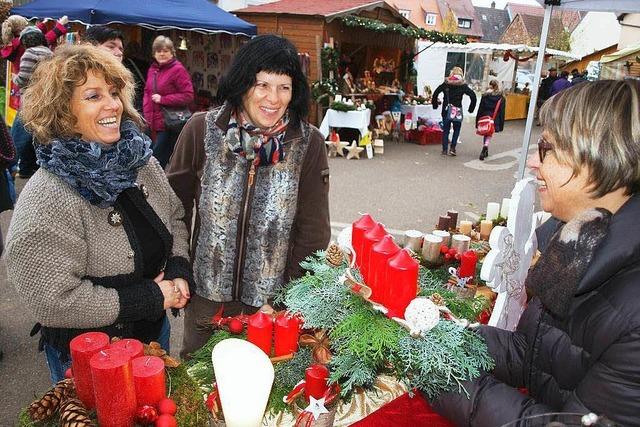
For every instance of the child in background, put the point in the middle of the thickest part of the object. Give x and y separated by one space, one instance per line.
488 104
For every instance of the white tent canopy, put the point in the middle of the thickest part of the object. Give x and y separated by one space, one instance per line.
619 6
488 48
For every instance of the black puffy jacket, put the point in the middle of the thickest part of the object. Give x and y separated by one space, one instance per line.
586 361
453 91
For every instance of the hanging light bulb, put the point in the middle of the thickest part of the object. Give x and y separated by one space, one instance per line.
183 44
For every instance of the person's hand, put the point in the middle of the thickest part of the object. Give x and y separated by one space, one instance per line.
64 20
183 287
170 292
156 98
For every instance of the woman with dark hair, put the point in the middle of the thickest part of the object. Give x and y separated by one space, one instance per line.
257 174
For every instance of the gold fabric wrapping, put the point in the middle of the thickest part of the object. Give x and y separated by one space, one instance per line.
363 403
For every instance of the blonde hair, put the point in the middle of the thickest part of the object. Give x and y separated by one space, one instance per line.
46 108
456 70
163 42
494 85
12 26
597 125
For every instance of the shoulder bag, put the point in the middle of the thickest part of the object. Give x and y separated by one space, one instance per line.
174 117
486 124
452 113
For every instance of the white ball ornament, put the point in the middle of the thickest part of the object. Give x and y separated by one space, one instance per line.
421 315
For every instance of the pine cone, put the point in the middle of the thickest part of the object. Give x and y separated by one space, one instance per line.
334 255
74 414
45 407
437 299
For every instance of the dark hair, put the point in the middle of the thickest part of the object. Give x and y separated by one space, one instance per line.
33 39
98 34
565 73
272 54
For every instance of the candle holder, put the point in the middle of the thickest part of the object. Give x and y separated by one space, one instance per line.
431 249
460 243
446 236
413 240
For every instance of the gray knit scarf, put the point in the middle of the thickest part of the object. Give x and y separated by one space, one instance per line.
99 172
555 278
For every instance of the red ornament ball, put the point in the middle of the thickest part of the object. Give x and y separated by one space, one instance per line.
447 257
444 249
236 326
167 406
68 373
166 420
452 252
146 415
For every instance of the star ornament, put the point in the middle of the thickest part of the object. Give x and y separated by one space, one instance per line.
316 407
354 151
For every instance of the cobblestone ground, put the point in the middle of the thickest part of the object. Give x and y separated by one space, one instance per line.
406 187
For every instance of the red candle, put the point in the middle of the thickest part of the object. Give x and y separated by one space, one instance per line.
315 377
371 237
380 254
148 380
358 228
468 261
133 347
82 348
402 282
287 333
113 388
260 331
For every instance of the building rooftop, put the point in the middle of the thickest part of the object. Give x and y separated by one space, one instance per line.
493 21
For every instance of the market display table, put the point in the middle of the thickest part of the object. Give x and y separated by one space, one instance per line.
517 106
349 119
424 111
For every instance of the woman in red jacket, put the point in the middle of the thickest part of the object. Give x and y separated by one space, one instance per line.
168 86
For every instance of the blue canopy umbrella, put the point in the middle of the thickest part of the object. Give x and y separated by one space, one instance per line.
195 15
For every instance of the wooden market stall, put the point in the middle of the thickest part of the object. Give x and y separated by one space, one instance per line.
313 25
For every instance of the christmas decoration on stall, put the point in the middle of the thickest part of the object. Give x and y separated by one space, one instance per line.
413 32
45 407
324 89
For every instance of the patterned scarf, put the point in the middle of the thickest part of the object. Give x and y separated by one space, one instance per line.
97 171
263 147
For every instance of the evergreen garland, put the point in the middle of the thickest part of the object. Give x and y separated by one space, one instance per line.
413 32
341 106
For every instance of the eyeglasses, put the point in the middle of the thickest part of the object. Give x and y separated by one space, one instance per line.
544 146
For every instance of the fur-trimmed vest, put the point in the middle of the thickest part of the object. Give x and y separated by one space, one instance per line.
246 229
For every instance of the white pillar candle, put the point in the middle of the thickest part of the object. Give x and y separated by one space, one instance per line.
504 209
446 237
460 243
413 240
431 248
465 227
493 209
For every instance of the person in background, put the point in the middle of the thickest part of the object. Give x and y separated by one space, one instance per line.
453 89
488 104
561 83
34 42
107 38
577 77
96 242
544 92
168 85
12 27
257 173
577 343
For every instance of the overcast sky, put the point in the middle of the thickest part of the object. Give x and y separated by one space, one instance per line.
500 3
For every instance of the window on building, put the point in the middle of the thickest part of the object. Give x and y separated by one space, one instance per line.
431 19
404 12
464 23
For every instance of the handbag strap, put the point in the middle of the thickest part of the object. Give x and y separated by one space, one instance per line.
495 111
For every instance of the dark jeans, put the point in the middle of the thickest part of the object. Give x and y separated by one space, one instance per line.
446 126
163 146
23 142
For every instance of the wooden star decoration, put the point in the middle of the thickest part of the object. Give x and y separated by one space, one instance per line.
354 151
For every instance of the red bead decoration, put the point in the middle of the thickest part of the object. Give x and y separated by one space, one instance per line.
167 406
444 249
166 420
146 415
236 326
68 373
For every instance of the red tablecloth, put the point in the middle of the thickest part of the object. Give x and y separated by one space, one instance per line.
405 411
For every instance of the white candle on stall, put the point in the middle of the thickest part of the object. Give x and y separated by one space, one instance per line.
465 227
338 98
485 229
504 209
493 209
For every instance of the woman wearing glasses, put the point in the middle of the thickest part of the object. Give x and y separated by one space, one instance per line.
577 346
